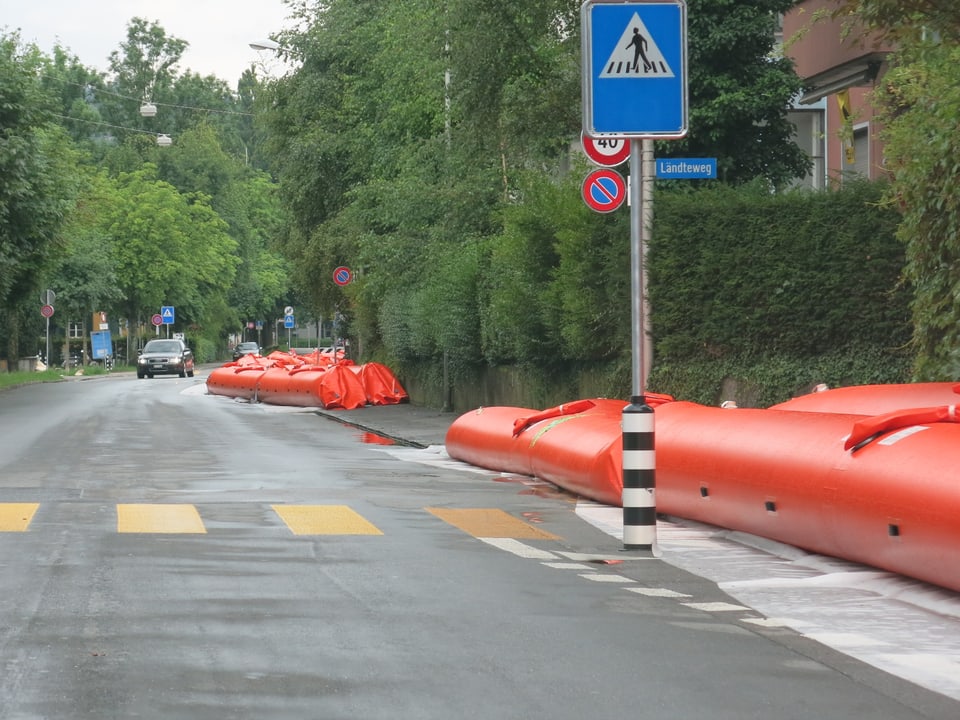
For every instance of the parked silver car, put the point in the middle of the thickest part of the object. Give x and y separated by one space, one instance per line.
165 357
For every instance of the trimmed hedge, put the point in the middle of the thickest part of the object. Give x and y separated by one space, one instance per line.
753 296
802 274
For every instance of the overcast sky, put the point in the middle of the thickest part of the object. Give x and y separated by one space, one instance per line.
219 31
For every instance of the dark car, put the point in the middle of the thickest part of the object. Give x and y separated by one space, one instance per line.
245 348
165 357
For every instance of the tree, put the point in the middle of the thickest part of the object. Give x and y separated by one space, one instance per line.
903 21
740 92
168 248
37 183
143 70
414 133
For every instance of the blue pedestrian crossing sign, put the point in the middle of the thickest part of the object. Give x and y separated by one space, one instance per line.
634 69
167 315
288 321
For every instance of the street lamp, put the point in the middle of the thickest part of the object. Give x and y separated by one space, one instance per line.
286 54
266 45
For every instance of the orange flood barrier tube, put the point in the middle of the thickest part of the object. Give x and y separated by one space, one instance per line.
875 399
380 384
235 382
314 380
484 437
238 379
894 503
312 386
576 446
890 500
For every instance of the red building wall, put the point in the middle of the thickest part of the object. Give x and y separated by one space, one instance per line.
832 54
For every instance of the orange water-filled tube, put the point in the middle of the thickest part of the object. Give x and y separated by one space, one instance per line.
380 384
880 490
875 399
312 386
575 445
484 437
893 502
238 379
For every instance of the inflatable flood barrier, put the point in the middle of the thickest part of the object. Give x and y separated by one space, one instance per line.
380 384
577 446
878 490
312 386
235 381
875 399
893 502
307 381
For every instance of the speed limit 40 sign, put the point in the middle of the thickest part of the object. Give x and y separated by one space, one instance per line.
605 151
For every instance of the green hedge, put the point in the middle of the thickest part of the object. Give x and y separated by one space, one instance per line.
756 297
752 294
802 274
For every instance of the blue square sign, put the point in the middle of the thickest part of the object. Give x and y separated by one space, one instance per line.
635 69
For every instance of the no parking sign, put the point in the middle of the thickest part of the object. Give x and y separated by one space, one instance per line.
342 276
604 190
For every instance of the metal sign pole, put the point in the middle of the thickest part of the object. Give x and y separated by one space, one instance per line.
625 99
638 499
646 228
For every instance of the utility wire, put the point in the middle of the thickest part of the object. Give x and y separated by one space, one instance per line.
106 124
158 104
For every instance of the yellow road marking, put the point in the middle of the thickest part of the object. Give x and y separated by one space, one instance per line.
173 519
490 523
16 517
324 520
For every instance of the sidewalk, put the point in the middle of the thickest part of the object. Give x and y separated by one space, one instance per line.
408 424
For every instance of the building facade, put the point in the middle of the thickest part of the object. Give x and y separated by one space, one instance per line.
840 64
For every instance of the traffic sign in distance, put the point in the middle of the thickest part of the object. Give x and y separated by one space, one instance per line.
605 151
157 319
47 311
604 190
342 276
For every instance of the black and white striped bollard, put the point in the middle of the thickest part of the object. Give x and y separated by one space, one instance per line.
639 485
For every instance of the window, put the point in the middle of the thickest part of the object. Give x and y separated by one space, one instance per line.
859 152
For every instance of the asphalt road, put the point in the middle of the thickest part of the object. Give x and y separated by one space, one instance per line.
166 553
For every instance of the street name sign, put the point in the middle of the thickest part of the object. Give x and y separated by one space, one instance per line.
686 168
634 69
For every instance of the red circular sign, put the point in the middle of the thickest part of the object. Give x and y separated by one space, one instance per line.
157 320
604 190
47 311
606 151
342 275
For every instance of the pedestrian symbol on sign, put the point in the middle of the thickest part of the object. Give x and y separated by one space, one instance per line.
636 54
